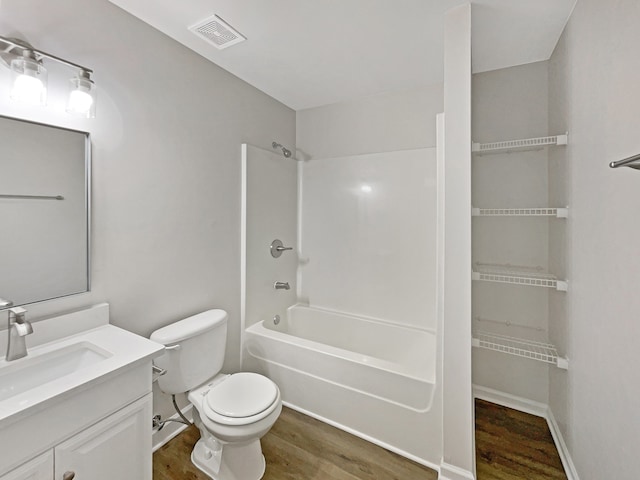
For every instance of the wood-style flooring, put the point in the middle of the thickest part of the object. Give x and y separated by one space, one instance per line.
299 447
510 445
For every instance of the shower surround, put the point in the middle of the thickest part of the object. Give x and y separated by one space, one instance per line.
356 344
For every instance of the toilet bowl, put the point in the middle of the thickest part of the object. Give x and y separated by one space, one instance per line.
232 412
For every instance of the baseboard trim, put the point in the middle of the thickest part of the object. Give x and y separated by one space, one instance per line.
539 410
563 451
369 439
171 429
451 472
511 401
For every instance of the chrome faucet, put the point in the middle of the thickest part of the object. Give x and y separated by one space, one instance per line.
19 328
281 286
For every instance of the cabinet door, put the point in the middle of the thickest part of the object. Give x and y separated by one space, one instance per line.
118 447
39 468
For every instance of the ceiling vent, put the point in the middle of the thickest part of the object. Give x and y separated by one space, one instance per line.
217 32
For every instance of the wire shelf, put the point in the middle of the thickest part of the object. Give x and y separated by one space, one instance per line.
521 212
508 323
517 275
542 352
522 144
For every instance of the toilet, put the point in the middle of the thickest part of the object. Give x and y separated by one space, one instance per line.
232 411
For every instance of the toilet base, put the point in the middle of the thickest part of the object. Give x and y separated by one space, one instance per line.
231 462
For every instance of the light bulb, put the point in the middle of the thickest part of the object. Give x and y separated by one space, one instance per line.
82 96
79 102
29 80
27 89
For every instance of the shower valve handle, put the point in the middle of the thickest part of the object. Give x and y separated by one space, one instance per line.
277 247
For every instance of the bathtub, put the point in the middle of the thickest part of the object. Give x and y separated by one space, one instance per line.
368 377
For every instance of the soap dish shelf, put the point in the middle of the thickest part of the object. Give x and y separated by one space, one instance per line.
542 352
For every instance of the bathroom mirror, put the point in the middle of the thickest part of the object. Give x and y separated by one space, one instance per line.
44 211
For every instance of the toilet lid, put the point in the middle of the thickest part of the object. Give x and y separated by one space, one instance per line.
242 395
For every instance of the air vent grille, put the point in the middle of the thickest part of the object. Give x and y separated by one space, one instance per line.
217 32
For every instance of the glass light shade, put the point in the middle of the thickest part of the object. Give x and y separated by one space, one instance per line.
82 96
29 80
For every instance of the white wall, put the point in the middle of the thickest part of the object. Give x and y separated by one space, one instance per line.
166 162
458 459
559 247
595 71
369 235
383 123
385 141
270 211
509 104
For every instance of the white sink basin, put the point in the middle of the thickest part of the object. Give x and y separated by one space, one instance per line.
67 355
34 371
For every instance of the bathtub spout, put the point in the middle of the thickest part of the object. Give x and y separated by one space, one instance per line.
281 286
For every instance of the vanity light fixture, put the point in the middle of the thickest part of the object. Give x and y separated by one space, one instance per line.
29 77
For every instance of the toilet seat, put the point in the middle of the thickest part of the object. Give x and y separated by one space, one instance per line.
241 399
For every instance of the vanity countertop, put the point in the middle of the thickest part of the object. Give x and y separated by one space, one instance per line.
57 368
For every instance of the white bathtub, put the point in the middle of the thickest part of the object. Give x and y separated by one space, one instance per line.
374 379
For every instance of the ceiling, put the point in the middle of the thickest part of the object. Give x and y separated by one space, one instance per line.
307 53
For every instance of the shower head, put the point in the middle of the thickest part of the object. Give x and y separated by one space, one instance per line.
285 151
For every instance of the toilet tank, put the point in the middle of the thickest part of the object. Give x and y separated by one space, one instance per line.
194 350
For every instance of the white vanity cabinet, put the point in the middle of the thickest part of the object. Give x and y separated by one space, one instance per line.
117 447
93 421
40 468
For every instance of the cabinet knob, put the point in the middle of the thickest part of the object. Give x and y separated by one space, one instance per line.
68 475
